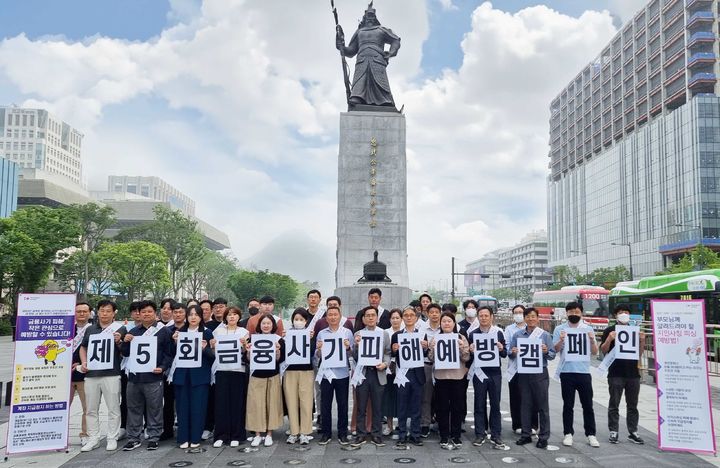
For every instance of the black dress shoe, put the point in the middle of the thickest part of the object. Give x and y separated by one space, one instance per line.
523 441
415 441
541 444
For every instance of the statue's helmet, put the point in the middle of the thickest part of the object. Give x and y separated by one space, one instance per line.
369 17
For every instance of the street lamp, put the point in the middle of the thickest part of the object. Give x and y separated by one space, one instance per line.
587 269
629 246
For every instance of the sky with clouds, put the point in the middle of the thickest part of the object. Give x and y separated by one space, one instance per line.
236 103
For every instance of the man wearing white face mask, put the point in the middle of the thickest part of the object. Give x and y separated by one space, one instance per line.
470 306
623 375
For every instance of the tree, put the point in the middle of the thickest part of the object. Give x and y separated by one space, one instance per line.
178 235
248 284
502 294
136 267
53 230
699 258
564 275
19 254
93 221
608 277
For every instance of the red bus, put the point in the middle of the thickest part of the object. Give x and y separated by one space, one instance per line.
594 299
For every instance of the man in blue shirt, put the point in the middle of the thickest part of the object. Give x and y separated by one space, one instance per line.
575 376
534 387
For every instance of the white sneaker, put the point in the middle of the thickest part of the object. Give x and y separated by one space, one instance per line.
185 445
111 445
192 446
518 431
122 434
532 431
84 440
386 431
268 441
292 439
592 440
206 435
90 445
304 440
568 440
287 433
257 440
218 443
234 443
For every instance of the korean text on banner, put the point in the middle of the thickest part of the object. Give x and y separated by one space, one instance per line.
683 389
41 382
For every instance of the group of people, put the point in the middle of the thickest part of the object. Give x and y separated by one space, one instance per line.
234 404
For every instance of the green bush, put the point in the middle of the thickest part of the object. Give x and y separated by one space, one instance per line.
5 326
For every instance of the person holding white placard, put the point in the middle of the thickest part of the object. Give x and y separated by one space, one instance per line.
513 387
575 373
298 381
487 341
103 383
191 384
409 377
77 379
373 343
229 340
389 404
534 387
449 385
333 347
145 389
264 400
431 329
623 376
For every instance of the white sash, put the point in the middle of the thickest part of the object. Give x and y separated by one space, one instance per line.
79 336
318 315
602 369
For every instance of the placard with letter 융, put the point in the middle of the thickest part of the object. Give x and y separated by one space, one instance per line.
683 387
263 354
39 412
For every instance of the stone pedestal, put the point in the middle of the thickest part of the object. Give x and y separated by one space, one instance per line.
372 203
355 297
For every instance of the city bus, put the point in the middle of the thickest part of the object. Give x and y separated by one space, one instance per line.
594 299
486 301
703 285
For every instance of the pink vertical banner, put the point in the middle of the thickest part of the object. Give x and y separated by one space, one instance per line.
685 421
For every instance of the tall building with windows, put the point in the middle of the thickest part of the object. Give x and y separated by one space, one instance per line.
36 139
524 265
481 275
9 178
635 144
154 188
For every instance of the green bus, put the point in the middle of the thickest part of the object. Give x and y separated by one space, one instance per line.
704 284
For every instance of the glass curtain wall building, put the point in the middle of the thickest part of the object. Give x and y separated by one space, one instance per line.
635 144
9 178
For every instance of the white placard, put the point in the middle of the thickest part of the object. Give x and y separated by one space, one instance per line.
447 351
262 352
410 351
371 347
683 386
189 350
100 351
576 347
334 354
486 350
627 342
297 347
529 357
39 410
143 354
228 352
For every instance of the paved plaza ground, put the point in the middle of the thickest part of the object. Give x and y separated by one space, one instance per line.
624 454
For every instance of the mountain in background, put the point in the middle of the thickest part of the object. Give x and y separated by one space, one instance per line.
296 254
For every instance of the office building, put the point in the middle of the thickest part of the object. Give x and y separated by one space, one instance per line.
154 188
635 144
9 178
523 266
36 139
